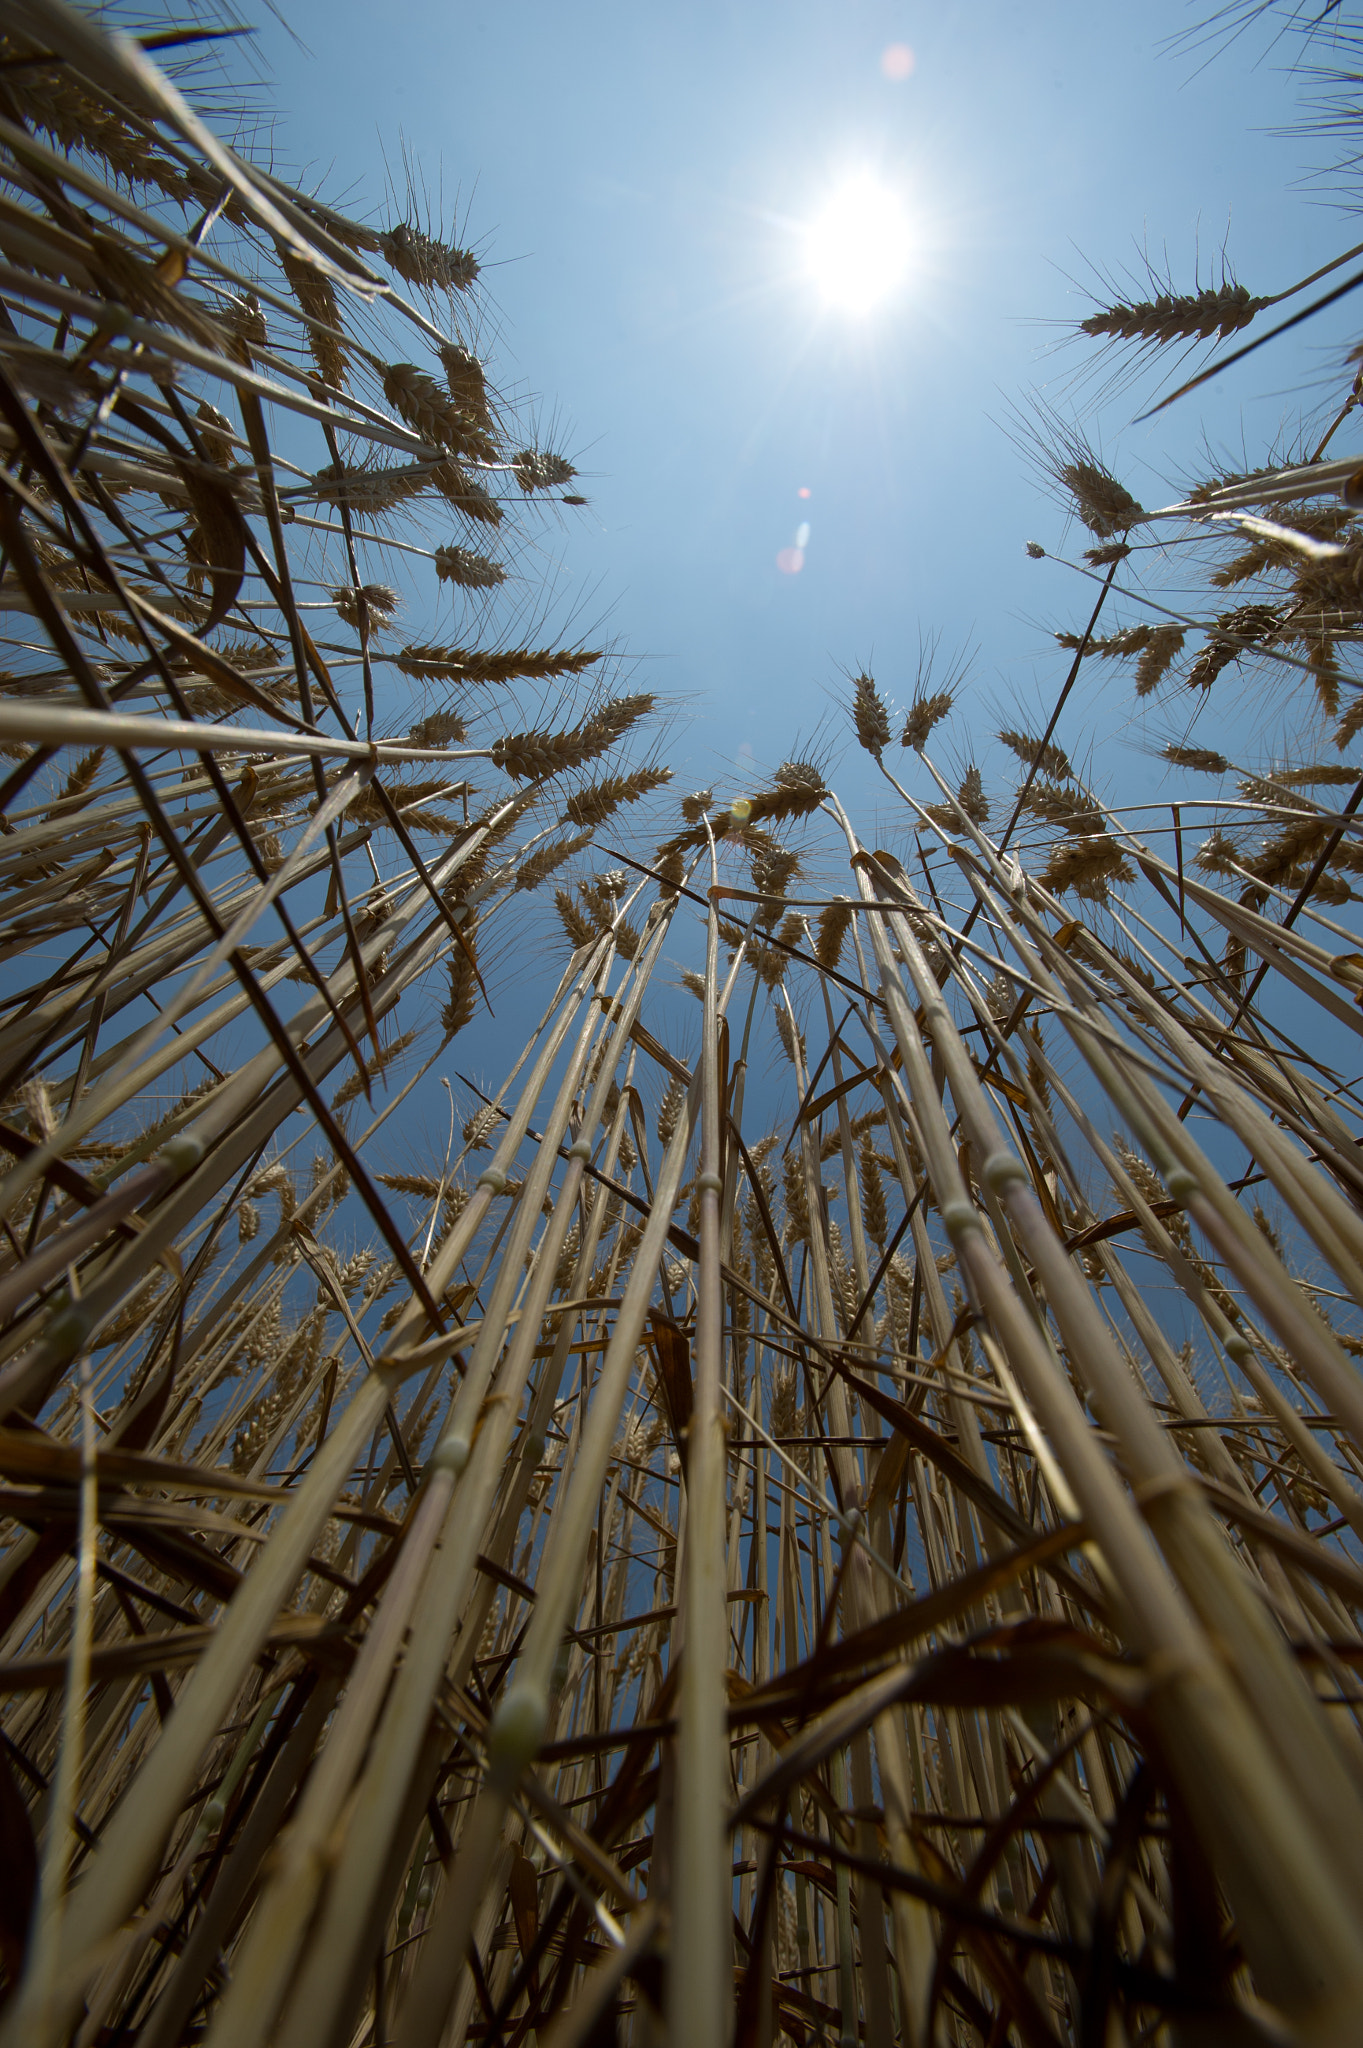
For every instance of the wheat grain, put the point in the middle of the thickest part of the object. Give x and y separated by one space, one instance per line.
537 470
1087 866
440 729
834 923
373 603
480 1127
369 490
1104 505
1049 759
874 1212
802 776
792 1041
579 928
1190 316
925 713
421 260
1234 634
599 801
429 412
971 799
542 863
1203 759
317 300
870 716
470 571
479 665
464 493
466 382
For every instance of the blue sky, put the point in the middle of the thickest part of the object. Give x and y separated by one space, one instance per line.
636 179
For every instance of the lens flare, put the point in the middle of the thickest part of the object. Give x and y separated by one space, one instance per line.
858 248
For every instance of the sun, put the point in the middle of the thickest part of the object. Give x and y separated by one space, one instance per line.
857 249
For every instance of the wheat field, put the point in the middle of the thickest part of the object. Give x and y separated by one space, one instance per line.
643 1572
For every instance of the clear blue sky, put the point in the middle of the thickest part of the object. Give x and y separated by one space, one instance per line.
635 178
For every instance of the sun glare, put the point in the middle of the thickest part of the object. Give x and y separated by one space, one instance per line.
858 248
